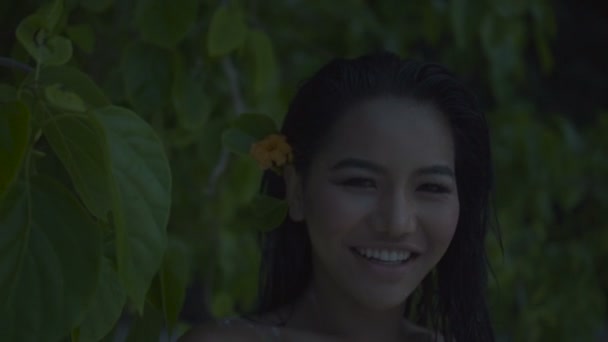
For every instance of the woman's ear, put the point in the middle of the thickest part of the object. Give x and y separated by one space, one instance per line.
294 193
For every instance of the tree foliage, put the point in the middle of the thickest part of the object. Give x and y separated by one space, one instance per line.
119 188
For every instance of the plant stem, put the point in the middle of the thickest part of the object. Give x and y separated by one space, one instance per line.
13 64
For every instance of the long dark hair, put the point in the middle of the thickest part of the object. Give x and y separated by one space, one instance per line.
451 299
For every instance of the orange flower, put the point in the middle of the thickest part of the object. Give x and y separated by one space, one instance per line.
272 152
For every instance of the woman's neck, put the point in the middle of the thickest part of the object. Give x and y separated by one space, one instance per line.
327 310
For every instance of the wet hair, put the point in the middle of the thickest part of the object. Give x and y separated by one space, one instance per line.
451 299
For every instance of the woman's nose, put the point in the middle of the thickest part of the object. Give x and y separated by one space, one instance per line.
397 215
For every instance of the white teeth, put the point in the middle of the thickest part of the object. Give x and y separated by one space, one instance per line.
376 254
384 254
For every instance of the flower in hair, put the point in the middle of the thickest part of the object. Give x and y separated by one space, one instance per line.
272 152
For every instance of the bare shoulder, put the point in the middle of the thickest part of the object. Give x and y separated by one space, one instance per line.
216 332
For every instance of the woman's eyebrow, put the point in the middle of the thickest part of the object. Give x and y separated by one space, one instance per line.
358 163
441 170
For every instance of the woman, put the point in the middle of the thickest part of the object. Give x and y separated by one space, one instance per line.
388 199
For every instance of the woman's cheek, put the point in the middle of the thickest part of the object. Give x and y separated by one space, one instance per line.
440 222
338 211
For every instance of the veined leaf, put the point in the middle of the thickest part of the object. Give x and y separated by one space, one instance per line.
80 143
50 262
106 308
168 289
14 134
143 198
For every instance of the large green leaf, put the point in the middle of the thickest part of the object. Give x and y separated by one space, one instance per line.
80 143
50 262
141 172
106 308
165 22
147 77
14 134
227 31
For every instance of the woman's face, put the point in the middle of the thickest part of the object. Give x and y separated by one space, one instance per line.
380 200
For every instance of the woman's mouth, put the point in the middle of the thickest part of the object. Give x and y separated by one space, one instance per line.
384 256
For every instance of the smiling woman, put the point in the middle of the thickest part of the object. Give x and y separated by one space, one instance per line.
388 205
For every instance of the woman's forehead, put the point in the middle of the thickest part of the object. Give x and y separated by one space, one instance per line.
391 129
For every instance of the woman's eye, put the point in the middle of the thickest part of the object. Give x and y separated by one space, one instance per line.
359 183
435 188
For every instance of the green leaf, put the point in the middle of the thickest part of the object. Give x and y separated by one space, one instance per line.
147 327
227 31
237 141
64 99
190 101
106 308
246 130
8 93
147 76
53 15
72 80
56 51
50 264
83 36
96 5
14 134
47 49
165 22
142 175
171 282
264 213
222 304
255 125
80 143
458 19
265 64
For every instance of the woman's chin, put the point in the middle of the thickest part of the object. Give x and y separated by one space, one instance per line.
382 302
